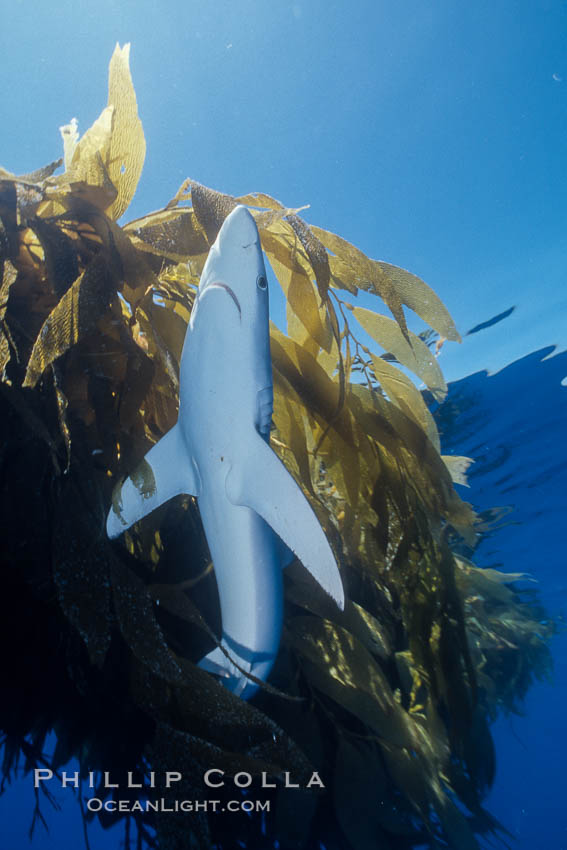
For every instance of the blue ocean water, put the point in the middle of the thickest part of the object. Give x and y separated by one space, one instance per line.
433 136
514 424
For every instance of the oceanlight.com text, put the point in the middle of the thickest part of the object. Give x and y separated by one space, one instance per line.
95 804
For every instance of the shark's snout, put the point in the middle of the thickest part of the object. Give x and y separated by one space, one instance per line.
239 228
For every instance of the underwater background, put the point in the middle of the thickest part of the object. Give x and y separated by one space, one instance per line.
433 138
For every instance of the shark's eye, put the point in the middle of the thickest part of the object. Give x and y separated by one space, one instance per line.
261 282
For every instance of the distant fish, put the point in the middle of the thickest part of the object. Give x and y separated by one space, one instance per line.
489 322
219 452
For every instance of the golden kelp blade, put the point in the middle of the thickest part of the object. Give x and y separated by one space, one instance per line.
411 353
111 153
457 467
9 275
127 149
75 315
90 154
387 281
303 304
403 393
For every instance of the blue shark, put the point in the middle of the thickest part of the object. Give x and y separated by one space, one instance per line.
219 452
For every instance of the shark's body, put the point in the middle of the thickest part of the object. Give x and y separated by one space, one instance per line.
219 452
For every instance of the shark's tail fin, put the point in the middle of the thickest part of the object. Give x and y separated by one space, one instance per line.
233 678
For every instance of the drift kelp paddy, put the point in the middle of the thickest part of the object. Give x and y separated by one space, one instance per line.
389 700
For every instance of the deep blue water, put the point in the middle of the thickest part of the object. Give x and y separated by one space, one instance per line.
514 424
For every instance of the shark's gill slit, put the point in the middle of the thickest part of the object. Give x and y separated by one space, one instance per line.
218 285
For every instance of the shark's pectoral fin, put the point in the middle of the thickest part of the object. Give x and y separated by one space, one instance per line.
260 481
166 471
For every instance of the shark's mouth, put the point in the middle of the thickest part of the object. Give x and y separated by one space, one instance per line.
218 285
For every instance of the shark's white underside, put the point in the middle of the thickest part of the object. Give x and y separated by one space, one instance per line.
219 452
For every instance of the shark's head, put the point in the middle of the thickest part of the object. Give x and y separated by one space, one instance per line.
236 265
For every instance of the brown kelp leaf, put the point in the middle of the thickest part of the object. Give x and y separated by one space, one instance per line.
489 584
271 210
344 465
81 573
62 405
319 393
183 194
302 301
406 444
414 355
259 199
363 625
403 393
394 285
316 253
30 417
267 219
61 261
164 335
209 756
354 619
75 315
69 136
9 275
168 324
339 665
138 624
178 829
505 578
135 388
456 826
462 518
32 177
41 174
111 153
176 601
171 233
65 194
289 422
457 467
129 266
211 208
128 263
420 298
202 706
352 267
28 199
127 147
367 811
90 157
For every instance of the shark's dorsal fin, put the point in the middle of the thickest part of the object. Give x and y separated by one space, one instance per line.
260 481
166 471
